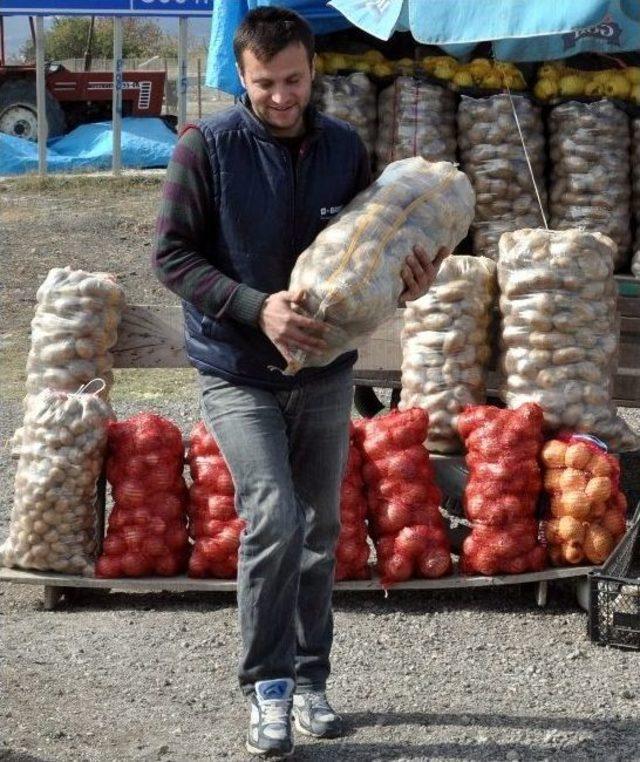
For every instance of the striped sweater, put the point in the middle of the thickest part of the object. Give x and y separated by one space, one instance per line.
184 223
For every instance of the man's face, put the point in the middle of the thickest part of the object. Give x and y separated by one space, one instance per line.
279 89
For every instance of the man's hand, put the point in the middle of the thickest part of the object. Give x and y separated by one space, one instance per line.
418 273
284 321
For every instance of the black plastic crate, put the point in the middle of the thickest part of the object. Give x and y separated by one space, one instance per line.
614 594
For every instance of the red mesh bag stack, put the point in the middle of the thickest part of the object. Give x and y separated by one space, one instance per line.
403 499
587 509
352 552
147 531
214 524
502 491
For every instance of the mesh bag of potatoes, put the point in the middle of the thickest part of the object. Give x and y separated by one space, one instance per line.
635 168
587 510
493 156
415 119
559 330
590 186
352 98
74 326
60 452
351 273
445 346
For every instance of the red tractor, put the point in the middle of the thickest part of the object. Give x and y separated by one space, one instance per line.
73 98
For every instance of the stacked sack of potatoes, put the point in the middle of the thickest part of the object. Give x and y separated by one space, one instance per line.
60 456
590 185
351 273
74 327
213 522
587 510
494 159
352 551
501 494
352 98
445 346
415 119
635 168
559 334
404 501
147 531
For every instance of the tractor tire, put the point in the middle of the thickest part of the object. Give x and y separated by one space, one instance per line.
18 111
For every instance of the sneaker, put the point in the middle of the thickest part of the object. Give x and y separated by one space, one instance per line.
270 729
314 716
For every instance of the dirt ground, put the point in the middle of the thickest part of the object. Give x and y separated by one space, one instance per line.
470 675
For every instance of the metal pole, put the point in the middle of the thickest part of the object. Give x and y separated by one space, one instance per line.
199 89
182 71
116 165
41 102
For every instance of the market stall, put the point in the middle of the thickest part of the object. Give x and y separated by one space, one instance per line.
530 316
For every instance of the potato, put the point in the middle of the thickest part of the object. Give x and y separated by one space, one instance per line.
443 371
53 518
598 544
586 175
566 368
415 119
598 489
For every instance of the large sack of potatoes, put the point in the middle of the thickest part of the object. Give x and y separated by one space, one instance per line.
590 184
352 98
415 119
559 332
446 346
351 273
493 155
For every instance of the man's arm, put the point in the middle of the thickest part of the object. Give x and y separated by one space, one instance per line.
186 219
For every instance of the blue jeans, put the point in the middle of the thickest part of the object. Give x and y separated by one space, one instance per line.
286 452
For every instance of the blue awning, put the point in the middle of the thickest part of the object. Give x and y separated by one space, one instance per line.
521 30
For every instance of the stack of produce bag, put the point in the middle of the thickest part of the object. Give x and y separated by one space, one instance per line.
415 119
352 552
351 273
587 509
214 523
493 156
445 346
60 452
635 168
74 326
559 332
501 496
351 98
590 185
404 501
147 531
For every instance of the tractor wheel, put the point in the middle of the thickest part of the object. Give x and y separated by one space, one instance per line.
18 112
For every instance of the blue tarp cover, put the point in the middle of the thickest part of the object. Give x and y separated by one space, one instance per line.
146 143
521 30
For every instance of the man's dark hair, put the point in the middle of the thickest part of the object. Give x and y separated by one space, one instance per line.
267 31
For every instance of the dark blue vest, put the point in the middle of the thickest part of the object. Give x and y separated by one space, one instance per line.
266 214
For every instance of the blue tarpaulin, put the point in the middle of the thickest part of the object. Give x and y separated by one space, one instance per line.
521 30
146 143
221 67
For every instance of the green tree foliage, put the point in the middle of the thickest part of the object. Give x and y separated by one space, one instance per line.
67 38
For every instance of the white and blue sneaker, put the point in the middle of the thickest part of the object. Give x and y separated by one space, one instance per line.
314 716
270 728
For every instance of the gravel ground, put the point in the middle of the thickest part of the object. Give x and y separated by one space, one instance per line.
471 675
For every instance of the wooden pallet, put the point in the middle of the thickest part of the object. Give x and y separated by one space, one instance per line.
55 584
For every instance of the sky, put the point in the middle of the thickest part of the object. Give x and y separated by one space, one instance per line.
16 30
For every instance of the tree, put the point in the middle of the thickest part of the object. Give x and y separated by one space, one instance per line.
67 38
